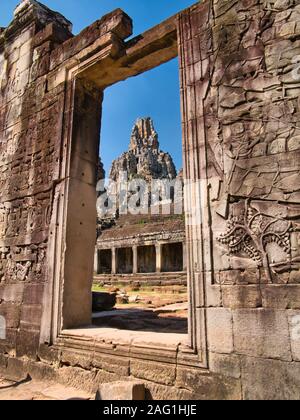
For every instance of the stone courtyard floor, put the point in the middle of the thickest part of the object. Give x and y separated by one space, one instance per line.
158 309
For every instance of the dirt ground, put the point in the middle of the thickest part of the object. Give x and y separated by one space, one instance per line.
30 390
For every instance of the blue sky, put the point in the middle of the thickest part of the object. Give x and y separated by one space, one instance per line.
155 93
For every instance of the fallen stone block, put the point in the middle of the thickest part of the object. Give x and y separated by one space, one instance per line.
118 391
103 301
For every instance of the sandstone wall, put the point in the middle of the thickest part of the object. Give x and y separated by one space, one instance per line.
241 95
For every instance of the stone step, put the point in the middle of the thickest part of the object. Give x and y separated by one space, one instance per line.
174 307
28 390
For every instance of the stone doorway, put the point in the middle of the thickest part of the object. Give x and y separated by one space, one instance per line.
146 259
172 257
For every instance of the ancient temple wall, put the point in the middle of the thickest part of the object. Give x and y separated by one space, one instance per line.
33 101
146 259
172 257
240 110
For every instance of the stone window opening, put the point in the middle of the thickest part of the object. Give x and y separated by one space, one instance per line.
242 215
2 328
135 274
142 259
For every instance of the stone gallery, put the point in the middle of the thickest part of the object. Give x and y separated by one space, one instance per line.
239 239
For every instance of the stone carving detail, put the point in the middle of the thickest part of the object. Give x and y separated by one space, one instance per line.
22 263
19 271
143 161
30 217
253 234
250 150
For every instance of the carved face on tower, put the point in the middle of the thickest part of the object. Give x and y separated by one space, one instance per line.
144 158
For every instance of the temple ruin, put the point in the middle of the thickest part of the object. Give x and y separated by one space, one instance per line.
240 85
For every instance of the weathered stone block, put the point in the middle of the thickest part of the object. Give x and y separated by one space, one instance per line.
76 358
31 316
3 363
11 293
27 343
16 369
8 345
112 363
24 62
156 392
77 377
127 391
213 296
103 301
40 371
33 294
11 313
49 354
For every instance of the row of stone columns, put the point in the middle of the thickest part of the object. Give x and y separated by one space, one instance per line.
135 259
158 248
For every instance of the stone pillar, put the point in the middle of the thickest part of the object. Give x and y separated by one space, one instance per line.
135 259
114 261
158 258
96 261
184 257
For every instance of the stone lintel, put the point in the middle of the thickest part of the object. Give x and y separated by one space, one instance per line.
41 12
117 25
31 12
52 32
